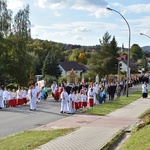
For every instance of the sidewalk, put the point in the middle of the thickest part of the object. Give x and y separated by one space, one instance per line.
93 131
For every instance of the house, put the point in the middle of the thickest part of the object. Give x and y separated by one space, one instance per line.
123 63
67 66
132 66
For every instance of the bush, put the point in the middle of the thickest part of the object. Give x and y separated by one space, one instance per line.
49 80
62 79
12 86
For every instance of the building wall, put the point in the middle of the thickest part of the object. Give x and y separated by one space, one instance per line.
64 73
124 67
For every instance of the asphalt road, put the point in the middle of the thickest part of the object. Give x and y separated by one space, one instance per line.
20 118
17 119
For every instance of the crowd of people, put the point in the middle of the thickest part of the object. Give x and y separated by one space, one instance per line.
72 96
81 95
19 97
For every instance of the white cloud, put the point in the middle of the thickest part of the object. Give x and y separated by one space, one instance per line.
82 29
74 32
138 8
14 4
78 38
94 7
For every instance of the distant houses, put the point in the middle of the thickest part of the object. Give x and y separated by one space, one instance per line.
123 61
67 66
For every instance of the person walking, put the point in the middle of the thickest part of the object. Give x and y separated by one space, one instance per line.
64 99
53 86
144 89
5 97
1 98
70 104
90 97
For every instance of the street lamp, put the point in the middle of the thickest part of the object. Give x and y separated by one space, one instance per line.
145 35
128 59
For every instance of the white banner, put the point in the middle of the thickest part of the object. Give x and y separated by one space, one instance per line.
41 83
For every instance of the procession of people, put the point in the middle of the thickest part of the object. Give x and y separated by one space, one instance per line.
20 97
71 96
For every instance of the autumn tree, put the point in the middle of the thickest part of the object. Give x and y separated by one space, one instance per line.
82 58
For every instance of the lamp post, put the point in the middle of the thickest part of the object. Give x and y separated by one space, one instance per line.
145 35
128 58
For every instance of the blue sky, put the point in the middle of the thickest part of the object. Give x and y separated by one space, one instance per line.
84 22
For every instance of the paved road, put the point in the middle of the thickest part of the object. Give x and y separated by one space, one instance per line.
20 118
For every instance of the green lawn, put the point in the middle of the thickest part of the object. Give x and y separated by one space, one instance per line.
140 135
140 140
112 105
30 140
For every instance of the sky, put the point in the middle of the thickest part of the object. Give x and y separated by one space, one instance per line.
84 22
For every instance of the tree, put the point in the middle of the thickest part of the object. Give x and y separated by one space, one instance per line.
74 55
136 52
82 58
21 63
5 19
143 63
51 66
5 28
103 61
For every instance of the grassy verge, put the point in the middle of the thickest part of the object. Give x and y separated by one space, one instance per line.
30 140
139 140
140 135
111 106
146 112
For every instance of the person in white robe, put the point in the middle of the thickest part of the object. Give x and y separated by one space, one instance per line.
71 111
64 99
19 96
14 96
95 90
90 97
5 97
38 90
9 98
84 100
24 94
33 98
1 98
73 101
53 86
145 90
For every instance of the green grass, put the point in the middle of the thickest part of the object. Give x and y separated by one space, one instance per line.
139 140
30 140
142 115
112 105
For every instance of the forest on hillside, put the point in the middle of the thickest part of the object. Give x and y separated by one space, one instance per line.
21 56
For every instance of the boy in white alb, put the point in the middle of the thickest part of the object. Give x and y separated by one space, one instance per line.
1 98
84 100
64 99
5 97
70 103
90 97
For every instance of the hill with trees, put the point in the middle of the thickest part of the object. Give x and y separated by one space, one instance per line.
21 56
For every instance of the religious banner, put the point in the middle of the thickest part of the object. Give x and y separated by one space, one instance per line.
41 83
